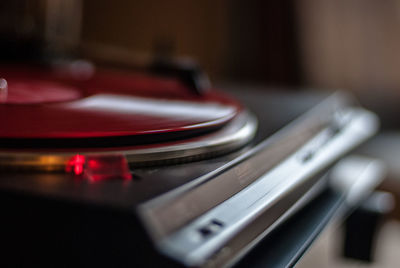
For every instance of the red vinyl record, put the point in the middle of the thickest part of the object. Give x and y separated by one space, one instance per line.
42 108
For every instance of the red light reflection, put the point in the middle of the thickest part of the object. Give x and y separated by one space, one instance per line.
100 167
76 164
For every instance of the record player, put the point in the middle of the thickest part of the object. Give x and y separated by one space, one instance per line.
115 168
110 168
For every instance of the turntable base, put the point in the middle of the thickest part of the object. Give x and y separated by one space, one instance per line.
208 213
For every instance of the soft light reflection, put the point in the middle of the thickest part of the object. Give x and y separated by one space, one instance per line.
99 168
76 164
3 90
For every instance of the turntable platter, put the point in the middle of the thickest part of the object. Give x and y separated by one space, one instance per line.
147 119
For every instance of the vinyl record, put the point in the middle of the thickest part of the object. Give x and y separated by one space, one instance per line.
44 109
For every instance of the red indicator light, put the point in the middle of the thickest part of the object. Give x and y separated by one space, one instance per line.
76 164
99 168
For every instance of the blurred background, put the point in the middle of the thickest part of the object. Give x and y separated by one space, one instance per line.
281 46
293 45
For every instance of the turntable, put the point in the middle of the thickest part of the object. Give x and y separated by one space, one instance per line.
110 168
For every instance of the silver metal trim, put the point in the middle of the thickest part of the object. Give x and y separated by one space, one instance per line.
187 245
238 133
174 209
